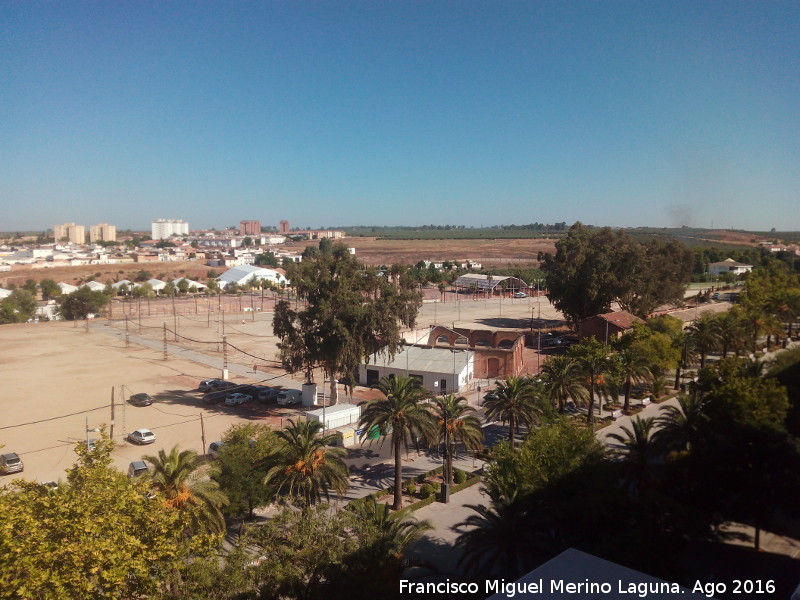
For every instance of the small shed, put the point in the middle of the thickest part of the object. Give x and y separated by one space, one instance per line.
346 436
335 416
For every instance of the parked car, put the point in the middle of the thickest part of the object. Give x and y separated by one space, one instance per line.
212 397
288 397
142 436
208 384
50 485
11 463
138 468
237 398
223 385
520 295
140 400
252 390
268 394
214 448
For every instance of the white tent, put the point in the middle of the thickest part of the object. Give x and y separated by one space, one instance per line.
248 273
95 286
67 288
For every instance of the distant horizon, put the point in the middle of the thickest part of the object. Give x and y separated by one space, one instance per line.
417 227
667 113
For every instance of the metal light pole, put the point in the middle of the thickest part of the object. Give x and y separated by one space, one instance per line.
88 431
446 466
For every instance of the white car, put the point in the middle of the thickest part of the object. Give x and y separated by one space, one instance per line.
142 436
237 398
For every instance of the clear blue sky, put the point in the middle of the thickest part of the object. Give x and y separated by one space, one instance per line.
339 113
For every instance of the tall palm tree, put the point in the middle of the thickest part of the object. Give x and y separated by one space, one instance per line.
456 424
705 335
185 485
640 451
402 414
514 402
592 356
685 343
633 368
306 465
680 426
562 381
731 332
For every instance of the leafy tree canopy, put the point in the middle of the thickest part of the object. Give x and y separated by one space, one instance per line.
351 312
18 307
593 268
80 303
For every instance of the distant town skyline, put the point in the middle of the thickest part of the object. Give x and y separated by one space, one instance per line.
454 112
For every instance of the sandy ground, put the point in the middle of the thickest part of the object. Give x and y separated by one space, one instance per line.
57 376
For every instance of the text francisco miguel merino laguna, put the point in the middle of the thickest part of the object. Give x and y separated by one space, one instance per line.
556 586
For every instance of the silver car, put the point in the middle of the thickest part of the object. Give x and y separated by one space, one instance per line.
142 436
11 463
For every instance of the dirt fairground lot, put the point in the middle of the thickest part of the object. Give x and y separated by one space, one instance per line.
56 376
375 251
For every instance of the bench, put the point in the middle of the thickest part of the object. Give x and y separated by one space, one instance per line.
645 401
616 414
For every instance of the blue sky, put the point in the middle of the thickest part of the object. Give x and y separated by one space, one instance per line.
400 113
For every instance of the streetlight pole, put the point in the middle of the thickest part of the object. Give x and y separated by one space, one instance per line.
446 466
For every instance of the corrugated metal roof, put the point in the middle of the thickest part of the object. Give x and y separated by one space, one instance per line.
422 359
482 282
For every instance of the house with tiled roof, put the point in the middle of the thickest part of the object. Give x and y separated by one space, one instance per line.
608 326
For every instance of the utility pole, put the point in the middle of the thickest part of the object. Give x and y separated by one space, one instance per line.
127 338
202 433
165 340
224 357
112 413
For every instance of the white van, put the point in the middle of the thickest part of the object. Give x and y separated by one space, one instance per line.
288 397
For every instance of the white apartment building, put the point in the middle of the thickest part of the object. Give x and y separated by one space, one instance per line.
162 229
103 232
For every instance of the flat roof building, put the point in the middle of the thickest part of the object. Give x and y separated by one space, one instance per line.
103 232
249 227
162 229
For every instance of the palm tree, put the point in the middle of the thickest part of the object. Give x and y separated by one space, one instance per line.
306 465
562 381
457 424
639 452
514 402
396 533
401 414
705 335
592 356
632 367
731 333
680 426
494 540
185 485
685 342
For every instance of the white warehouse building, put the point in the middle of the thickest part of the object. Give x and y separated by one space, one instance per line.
441 370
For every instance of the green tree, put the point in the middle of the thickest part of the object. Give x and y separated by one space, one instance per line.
50 289
81 303
561 375
547 454
186 486
401 414
731 331
18 307
632 363
705 337
267 259
98 535
306 466
350 313
513 401
639 452
593 358
31 286
240 471
681 426
457 424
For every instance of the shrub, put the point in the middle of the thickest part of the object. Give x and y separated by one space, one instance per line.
411 487
427 490
460 476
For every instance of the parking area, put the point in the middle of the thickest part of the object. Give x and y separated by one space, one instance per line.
57 379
